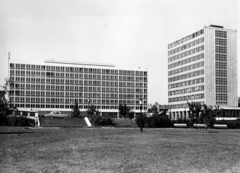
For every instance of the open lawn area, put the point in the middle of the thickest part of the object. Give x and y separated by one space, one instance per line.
118 150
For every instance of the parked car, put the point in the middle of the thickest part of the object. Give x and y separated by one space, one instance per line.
56 114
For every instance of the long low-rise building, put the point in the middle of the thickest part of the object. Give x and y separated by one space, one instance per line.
56 85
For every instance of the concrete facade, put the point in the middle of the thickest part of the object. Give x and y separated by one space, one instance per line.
55 85
202 67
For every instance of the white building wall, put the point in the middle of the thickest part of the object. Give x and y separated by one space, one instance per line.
209 70
232 68
134 86
187 49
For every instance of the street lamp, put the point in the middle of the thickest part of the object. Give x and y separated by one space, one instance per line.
185 116
141 115
72 111
88 107
203 114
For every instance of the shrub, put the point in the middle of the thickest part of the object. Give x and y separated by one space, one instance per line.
188 122
158 121
124 122
141 120
101 121
19 121
150 122
130 115
3 118
11 120
234 124
211 121
184 121
231 124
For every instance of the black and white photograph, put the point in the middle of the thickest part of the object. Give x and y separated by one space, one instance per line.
128 86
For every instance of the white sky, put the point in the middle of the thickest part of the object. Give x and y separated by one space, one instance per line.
127 33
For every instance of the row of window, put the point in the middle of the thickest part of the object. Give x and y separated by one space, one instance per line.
175 106
186 98
67 101
86 89
186 53
221 57
185 83
185 61
221 73
186 90
68 106
221 65
183 105
221 81
186 68
21 83
81 76
221 49
30 73
221 34
186 46
221 42
76 69
43 80
185 76
221 102
75 94
189 37
221 68
74 88
221 96
221 89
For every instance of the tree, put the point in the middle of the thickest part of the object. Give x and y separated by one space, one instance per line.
92 110
194 108
158 121
206 113
75 110
153 110
217 111
6 108
141 120
124 110
130 115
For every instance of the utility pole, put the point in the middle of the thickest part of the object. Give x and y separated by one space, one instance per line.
8 65
141 115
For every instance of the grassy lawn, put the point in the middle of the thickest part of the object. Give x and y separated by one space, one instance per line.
119 150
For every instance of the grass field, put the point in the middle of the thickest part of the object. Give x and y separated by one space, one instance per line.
119 150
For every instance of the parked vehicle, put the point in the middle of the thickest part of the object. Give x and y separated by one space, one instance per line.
56 114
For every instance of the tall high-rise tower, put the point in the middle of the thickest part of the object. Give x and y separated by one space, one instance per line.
202 67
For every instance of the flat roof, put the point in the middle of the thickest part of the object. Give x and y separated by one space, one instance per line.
196 30
82 65
216 26
79 63
230 108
